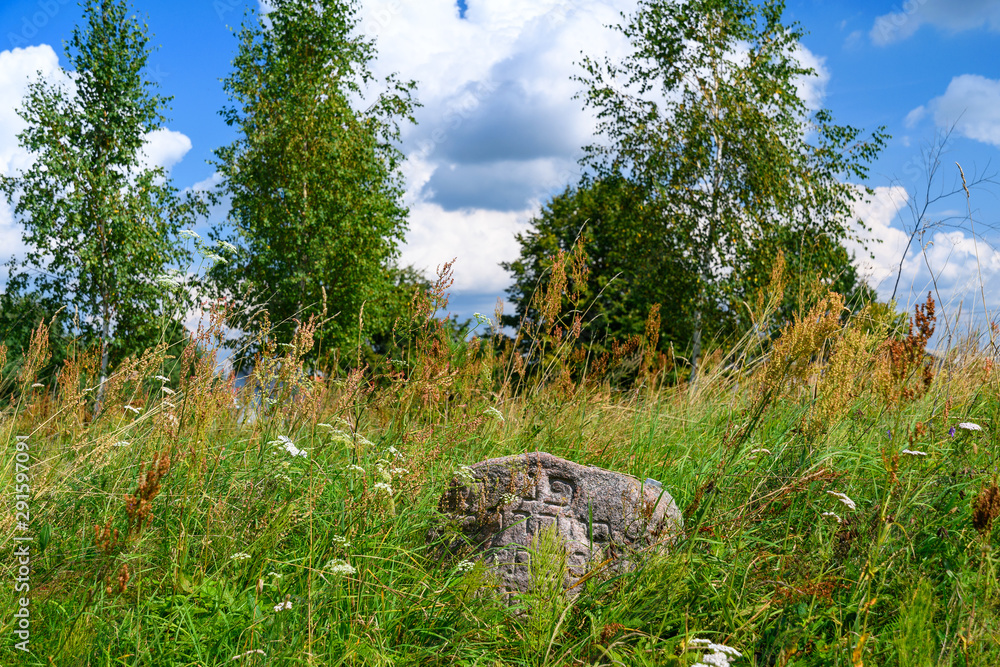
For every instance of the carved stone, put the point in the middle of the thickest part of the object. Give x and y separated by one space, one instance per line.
603 517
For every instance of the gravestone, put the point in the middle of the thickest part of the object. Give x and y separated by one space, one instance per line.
602 517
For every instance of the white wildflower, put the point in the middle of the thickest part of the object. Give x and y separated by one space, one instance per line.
274 574
969 426
227 245
398 471
122 443
722 648
168 391
340 541
493 412
482 319
161 378
382 486
37 385
188 234
339 567
172 278
913 452
289 446
465 566
465 475
287 604
394 453
211 256
715 660
240 556
509 499
168 404
832 514
842 498
131 409
357 469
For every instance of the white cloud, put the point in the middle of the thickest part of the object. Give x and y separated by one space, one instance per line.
499 129
958 264
972 104
479 238
949 15
164 148
812 89
18 67
915 116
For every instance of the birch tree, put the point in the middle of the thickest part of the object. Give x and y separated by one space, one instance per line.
706 115
100 226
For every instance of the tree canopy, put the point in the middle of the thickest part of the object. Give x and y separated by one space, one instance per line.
705 117
316 195
100 225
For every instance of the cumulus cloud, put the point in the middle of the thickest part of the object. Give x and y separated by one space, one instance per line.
500 130
971 104
949 15
951 263
18 68
164 148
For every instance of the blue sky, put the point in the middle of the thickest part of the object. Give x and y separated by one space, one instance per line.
499 131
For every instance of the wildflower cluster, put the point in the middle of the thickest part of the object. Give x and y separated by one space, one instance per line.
720 655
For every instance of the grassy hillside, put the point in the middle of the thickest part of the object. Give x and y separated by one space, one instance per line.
839 496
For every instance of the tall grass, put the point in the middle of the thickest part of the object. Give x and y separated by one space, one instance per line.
839 508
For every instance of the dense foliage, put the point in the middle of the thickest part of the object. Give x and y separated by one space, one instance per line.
707 119
100 225
313 184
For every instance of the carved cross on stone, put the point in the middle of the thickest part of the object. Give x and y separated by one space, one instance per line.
600 515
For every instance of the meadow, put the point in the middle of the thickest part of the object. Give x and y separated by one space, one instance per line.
839 489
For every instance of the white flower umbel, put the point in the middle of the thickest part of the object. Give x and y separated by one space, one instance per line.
832 515
465 475
340 541
227 246
188 234
382 486
493 412
356 469
339 567
720 656
287 604
122 443
509 499
465 566
161 378
168 391
842 498
240 556
285 442
913 452
171 278
969 426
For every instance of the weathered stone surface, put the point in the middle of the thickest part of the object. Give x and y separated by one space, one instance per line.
602 516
